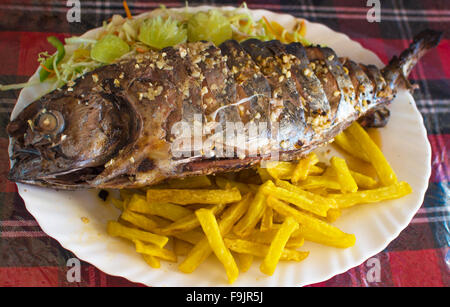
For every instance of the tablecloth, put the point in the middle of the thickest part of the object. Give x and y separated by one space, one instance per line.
419 256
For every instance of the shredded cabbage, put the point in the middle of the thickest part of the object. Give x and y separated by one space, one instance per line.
125 36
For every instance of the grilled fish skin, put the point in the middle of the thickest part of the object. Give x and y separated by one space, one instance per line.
119 126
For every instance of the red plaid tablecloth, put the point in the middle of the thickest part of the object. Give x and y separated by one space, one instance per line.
418 257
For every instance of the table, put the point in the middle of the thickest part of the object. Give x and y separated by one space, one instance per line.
420 256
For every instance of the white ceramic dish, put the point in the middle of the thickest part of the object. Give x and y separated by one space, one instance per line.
405 145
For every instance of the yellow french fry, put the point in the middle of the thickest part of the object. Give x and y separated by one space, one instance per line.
155 251
280 169
303 166
299 199
245 261
333 214
393 191
211 229
162 222
152 261
139 204
260 250
139 220
266 237
283 170
255 211
223 183
273 255
191 236
115 229
312 228
195 182
315 170
364 181
202 249
316 199
188 222
384 171
344 177
194 196
349 146
314 182
181 248
263 174
267 219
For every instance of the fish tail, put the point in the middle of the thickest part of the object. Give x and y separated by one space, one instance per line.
397 71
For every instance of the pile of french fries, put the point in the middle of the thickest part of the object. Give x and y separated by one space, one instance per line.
264 213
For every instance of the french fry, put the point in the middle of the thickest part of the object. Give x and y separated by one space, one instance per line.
202 249
280 169
152 261
364 181
344 177
211 229
223 183
155 251
295 242
181 247
266 237
303 166
283 170
273 255
162 222
394 191
315 170
277 218
333 214
188 222
191 236
361 166
245 262
263 174
384 171
260 250
312 228
194 182
299 199
139 220
139 204
195 196
317 199
267 219
255 211
314 182
344 141
115 229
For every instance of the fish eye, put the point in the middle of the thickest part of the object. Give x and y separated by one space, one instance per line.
49 122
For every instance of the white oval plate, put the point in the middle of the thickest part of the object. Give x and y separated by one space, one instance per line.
405 145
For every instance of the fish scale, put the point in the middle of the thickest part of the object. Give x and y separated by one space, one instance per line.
126 124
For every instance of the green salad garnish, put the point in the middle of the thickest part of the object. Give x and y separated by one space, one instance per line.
154 31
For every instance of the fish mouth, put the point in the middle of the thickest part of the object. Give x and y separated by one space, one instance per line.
27 168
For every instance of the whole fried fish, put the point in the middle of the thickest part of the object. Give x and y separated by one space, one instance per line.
197 108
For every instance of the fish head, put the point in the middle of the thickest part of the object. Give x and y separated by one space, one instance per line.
60 135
